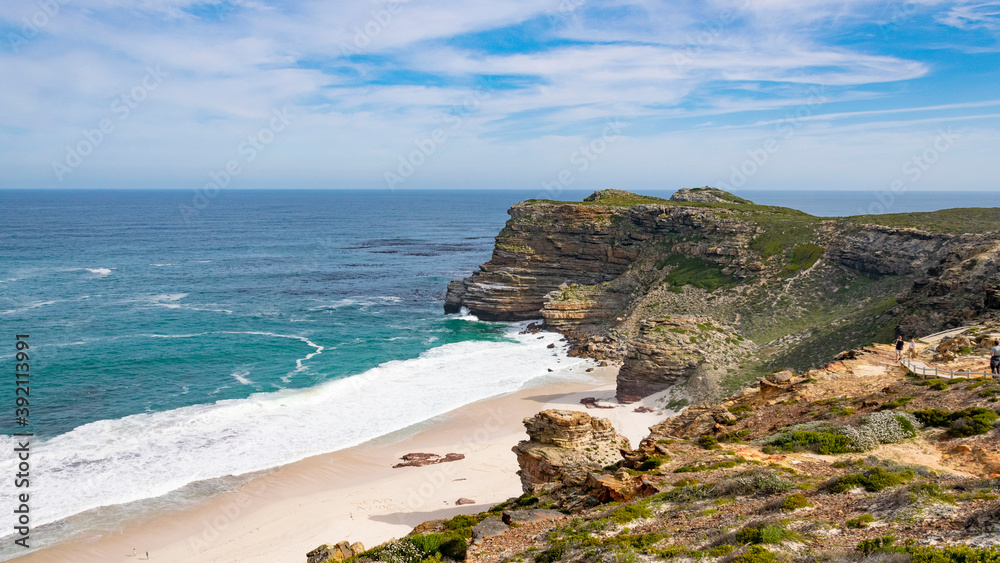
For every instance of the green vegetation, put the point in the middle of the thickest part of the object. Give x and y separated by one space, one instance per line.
764 534
896 403
873 480
803 257
626 514
926 554
756 554
825 443
700 466
971 421
709 443
695 271
875 545
861 521
794 502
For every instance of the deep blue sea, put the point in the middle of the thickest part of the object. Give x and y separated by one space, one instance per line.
174 343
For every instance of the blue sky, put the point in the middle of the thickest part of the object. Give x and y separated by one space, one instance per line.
583 94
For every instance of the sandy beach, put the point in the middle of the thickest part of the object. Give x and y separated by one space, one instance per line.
356 494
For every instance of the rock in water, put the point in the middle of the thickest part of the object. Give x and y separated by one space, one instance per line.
564 446
453 297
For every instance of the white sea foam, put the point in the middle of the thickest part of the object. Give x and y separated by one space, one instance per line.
161 265
240 374
148 455
361 302
30 306
101 272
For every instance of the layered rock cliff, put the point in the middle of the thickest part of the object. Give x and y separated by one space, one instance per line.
796 288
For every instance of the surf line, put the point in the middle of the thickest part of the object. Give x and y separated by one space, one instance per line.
299 363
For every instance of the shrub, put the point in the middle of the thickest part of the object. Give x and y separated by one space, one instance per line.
398 551
971 421
861 521
874 479
878 428
653 462
759 480
698 467
740 409
896 403
876 545
552 554
631 512
794 502
764 533
709 443
756 554
820 442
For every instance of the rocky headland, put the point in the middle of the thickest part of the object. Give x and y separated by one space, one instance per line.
785 289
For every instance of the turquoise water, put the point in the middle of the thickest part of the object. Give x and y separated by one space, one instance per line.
173 345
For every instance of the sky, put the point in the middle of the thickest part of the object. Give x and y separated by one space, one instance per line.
546 94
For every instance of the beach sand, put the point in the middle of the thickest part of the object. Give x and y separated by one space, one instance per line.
355 494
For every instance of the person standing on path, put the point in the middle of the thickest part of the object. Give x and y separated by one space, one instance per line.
913 349
899 348
995 357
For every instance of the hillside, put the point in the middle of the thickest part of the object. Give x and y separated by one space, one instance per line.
787 288
855 461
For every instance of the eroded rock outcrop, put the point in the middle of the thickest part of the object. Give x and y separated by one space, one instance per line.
669 351
328 553
563 446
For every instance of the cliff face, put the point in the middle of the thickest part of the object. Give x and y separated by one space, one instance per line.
798 288
677 350
541 248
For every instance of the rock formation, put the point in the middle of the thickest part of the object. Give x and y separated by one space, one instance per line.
800 288
328 553
563 446
668 351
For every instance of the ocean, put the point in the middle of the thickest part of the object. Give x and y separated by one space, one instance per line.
178 345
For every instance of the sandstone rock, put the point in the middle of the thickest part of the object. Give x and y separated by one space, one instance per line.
453 297
529 516
421 459
328 552
464 500
488 528
563 446
669 351
618 488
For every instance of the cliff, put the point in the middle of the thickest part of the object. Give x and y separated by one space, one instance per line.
795 288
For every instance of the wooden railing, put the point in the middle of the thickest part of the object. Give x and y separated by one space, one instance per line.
927 372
